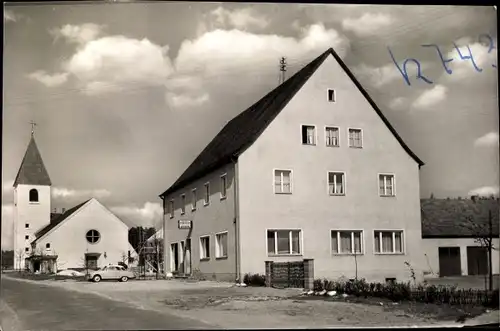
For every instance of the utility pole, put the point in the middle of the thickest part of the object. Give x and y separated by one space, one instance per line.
282 69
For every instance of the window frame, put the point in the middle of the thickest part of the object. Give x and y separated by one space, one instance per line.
37 201
352 231
183 203
207 258
344 183
281 183
223 185
206 194
194 199
338 135
27 237
47 245
95 242
334 95
393 231
26 225
171 203
315 134
275 230
26 249
349 136
217 253
385 185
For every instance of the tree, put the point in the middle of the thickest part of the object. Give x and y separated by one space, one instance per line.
483 235
7 259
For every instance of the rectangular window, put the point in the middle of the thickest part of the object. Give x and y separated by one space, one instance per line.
355 138
331 95
221 245
332 137
223 186
27 237
183 204
207 193
27 225
205 248
193 199
171 208
308 135
47 245
284 242
26 249
386 185
346 242
283 181
388 242
336 183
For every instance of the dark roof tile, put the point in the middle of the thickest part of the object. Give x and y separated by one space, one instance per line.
32 170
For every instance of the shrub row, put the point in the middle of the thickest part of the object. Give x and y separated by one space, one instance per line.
407 292
254 280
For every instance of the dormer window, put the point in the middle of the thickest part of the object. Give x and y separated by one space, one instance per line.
33 195
331 95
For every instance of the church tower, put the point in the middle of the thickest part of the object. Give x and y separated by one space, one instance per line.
31 202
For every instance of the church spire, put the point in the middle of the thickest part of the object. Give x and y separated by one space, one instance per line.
32 170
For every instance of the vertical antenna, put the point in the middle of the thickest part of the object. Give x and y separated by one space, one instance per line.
33 124
282 69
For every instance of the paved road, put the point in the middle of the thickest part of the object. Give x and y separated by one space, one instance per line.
42 307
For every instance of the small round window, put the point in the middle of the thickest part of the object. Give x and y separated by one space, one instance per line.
93 236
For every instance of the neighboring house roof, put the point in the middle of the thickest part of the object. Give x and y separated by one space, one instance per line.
32 170
54 216
56 221
158 235
244 129
449 218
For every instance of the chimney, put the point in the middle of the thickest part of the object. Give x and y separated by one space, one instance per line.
63 210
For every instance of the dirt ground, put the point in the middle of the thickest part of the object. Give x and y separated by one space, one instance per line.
228 306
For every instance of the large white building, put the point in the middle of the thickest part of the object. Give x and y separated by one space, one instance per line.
85 236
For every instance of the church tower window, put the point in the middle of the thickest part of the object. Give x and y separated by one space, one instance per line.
33 195
93 236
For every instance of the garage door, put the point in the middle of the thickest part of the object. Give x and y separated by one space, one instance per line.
477 260
449 261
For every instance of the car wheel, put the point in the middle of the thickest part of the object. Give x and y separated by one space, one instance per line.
96 278
123 279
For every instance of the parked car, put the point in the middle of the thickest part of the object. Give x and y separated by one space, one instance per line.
114 272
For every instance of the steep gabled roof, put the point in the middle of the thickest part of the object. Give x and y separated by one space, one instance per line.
443 218
56 221
32 170
244 129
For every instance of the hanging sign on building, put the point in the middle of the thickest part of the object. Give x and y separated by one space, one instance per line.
185 224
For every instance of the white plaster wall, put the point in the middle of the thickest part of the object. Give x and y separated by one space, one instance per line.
310 208
68 240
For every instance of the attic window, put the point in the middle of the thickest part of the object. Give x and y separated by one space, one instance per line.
93 236
331 95
33 195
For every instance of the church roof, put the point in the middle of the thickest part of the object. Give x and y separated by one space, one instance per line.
32 170
244 129
55 221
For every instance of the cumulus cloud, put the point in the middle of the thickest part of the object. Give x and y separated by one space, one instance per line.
398 103
377 76
79 34
184 100
239 18
58 192
485 191
49 80
464 68
431 97
489 139
151 214
367 24
7 226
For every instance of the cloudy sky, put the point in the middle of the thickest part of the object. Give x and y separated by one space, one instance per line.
126 95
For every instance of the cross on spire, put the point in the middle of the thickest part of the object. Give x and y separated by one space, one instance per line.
33 124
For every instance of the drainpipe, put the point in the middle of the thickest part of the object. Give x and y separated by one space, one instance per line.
236 221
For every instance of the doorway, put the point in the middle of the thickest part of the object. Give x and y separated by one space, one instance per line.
477 260
187 257
174 260
91 261
449 261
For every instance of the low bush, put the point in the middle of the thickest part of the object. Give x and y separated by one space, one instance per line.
406 292
254 280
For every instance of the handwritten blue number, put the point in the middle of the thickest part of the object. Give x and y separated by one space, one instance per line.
443 61
467 57
491 45
404 71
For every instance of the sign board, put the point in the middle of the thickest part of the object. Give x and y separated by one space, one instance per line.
185 224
